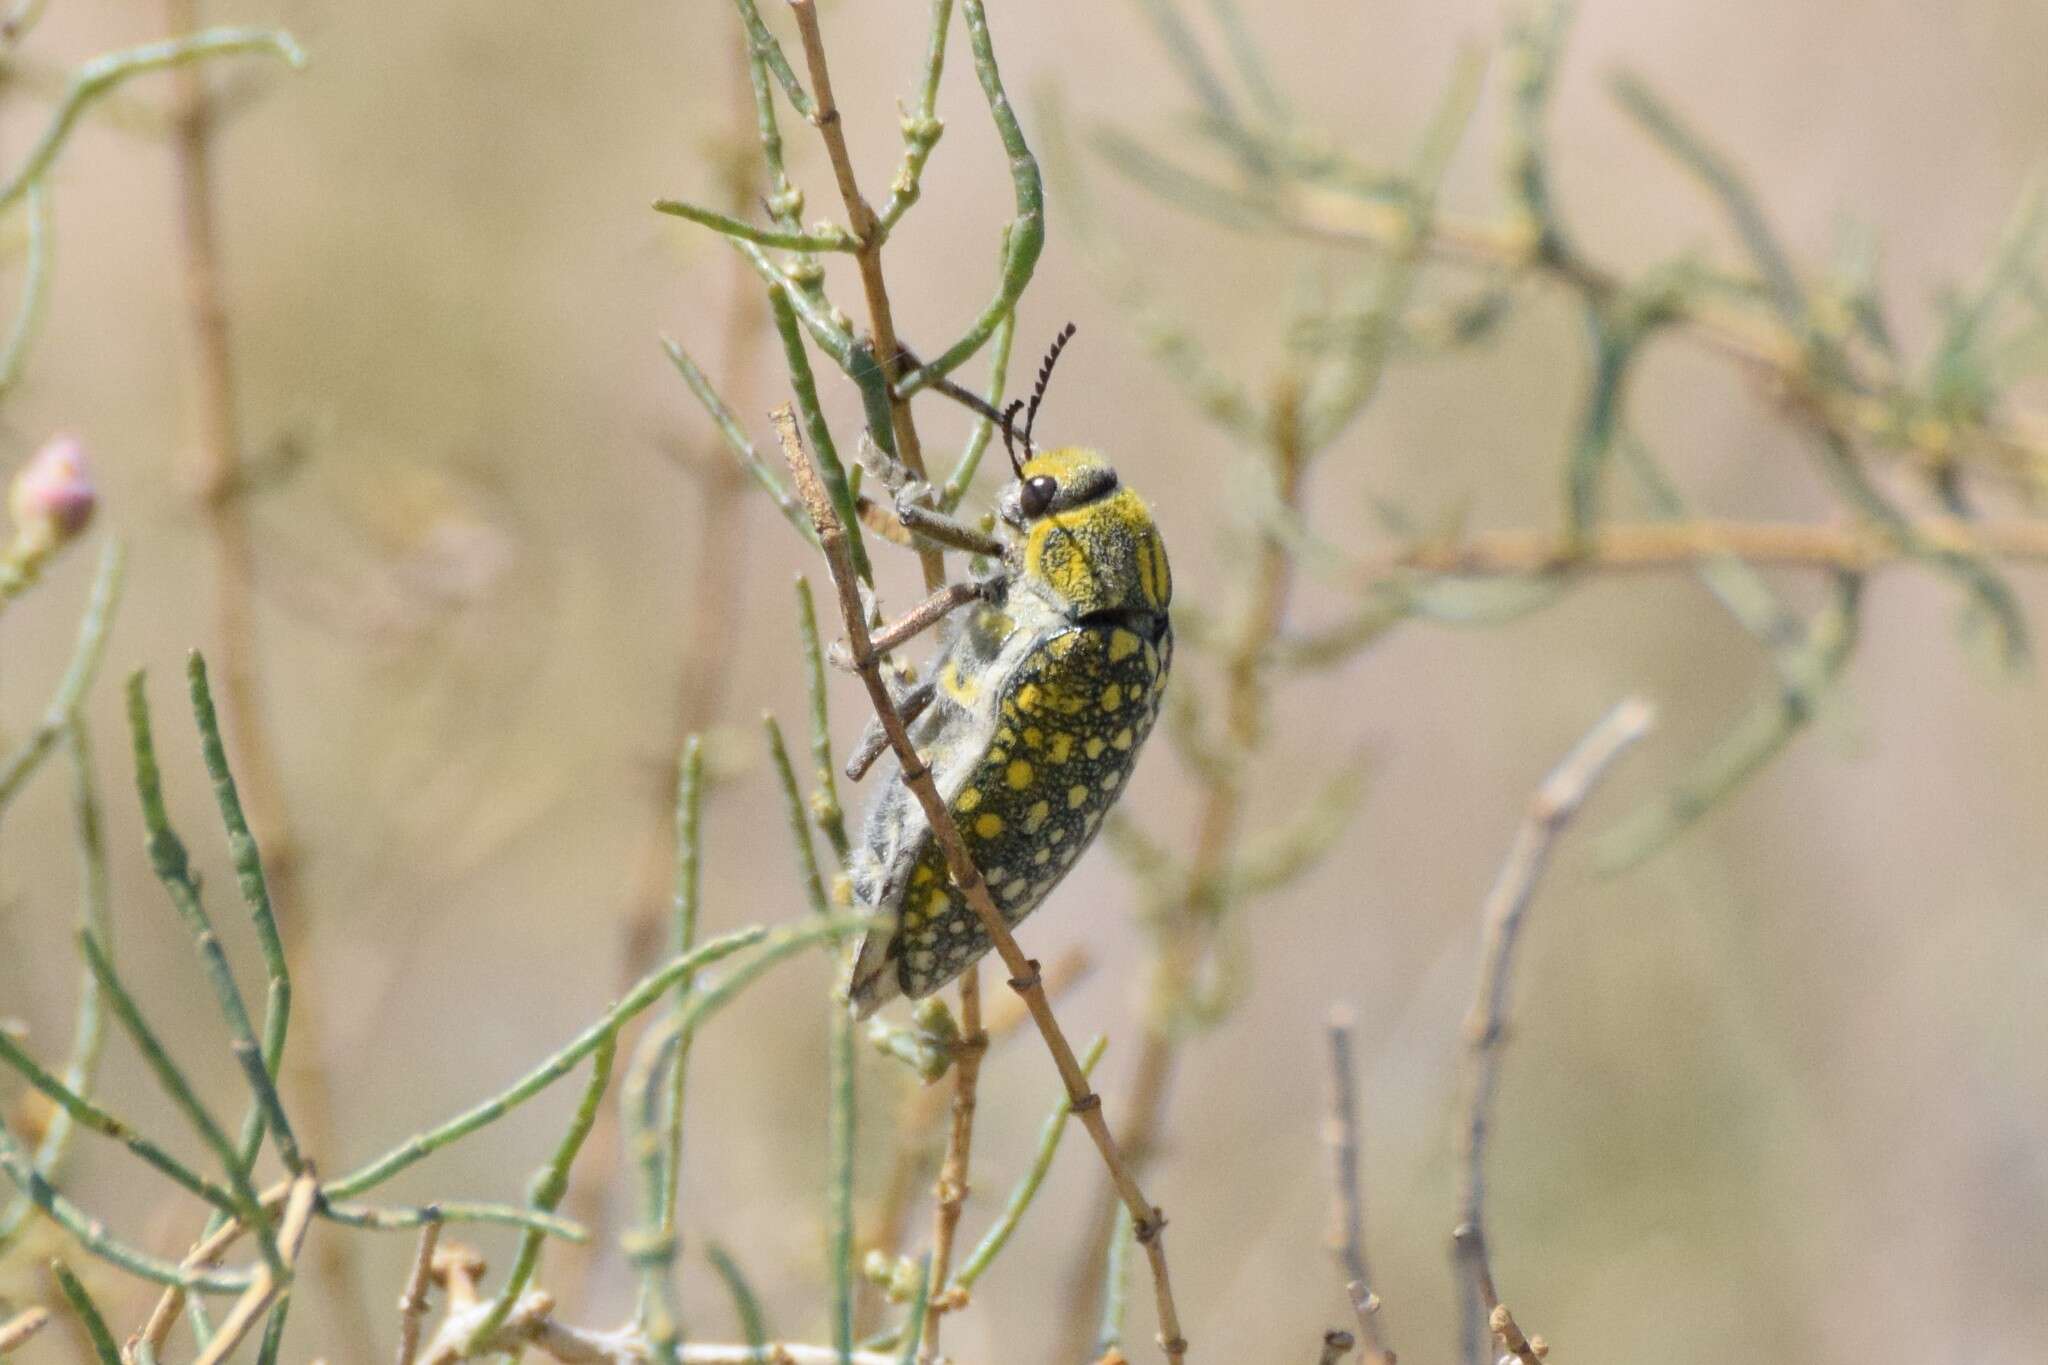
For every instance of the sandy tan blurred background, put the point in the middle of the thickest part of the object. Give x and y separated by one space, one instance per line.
1779 1095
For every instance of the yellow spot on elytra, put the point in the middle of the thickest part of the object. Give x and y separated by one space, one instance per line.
1042 857
968 800
1123 739
1033 736
1077 796
1093 748
1112 697
1014 891
988 825
1018 775
1005 735
1063 645
1109 781
1062 747
936 903
1039 813
960 689
1122 645
1027 697
925 872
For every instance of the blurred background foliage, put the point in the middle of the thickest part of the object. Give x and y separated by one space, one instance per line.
1775 1091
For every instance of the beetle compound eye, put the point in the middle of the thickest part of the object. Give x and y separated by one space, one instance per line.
1038 495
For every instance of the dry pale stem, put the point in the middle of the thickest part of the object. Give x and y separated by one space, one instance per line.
1624 547
215 476
257 1298
1149 1221
1347 1203
1503 915
412 1305
18 1329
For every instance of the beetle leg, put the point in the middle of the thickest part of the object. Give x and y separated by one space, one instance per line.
917 620
947 532
874 741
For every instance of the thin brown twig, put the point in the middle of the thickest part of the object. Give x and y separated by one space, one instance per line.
216 477
1647 546
1025 979
1347 1203
953 1183
412 1304
860 217
18 1329
950 1193
1503 914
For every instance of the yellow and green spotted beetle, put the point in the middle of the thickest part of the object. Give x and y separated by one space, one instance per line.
1032 712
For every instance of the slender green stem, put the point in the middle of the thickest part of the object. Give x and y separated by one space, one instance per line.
35 289
649 989
1014 1208
922 129
825 804
840 1124
831 237
689 893
173 867
660 1056
769 52
736 440
1027 227
910 1333
247 1204
103 1347
962 477
1252 69
83 1111
273 1329
92 1233
782 305
793 814
265 1110
548 1189
453 1211
655 1252
746 1303
20 765
88 1032
826 324
102 74
1713 170
1760 734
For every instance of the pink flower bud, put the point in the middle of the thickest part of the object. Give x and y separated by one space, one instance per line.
52 497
